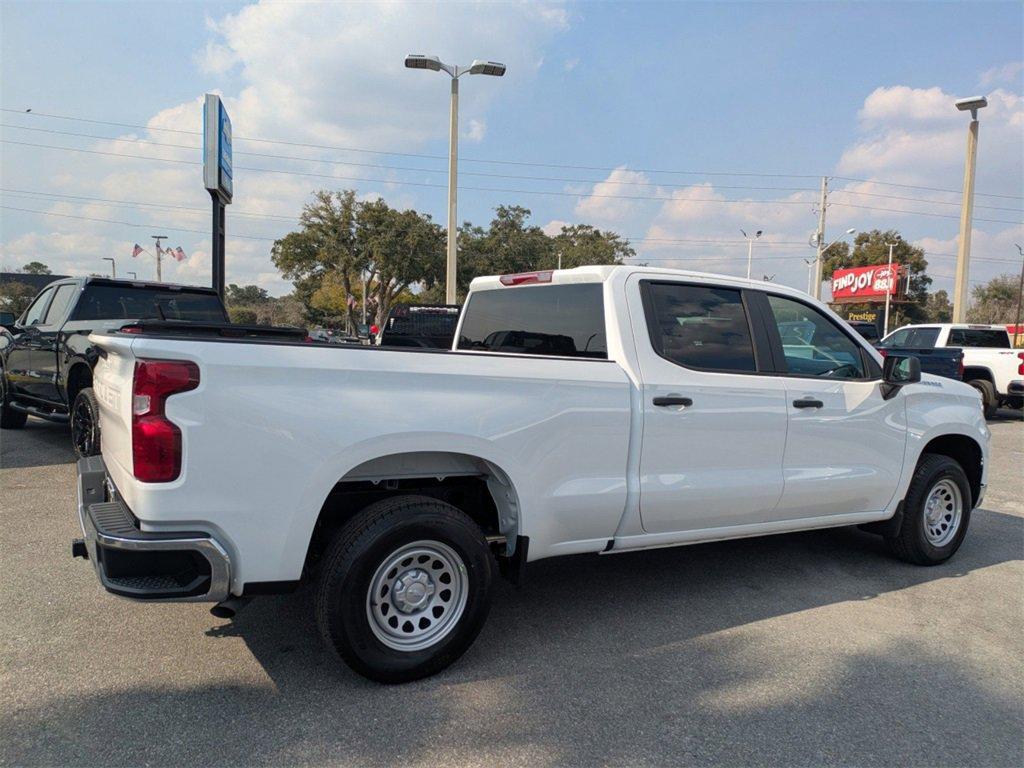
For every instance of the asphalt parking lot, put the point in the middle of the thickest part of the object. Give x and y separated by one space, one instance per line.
806 649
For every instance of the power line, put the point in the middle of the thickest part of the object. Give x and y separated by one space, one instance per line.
398 182
126 223
919 199
408 168
496 162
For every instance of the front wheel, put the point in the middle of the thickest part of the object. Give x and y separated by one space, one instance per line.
405 588
936 512
85 424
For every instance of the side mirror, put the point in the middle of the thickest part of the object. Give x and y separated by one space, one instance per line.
899 371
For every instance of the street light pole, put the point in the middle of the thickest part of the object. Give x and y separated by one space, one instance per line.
451 277
963 255
1020 294
888 292
750 248
478 67
113 266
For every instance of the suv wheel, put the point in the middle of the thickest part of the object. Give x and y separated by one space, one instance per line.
85 424
989 399
405 588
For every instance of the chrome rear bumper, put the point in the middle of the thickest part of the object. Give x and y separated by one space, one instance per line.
179 566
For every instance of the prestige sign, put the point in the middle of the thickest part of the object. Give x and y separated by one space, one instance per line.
865 283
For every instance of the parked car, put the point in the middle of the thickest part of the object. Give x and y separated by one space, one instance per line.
600 409
990 364
919 342
867 330
46 365
426 326
7 320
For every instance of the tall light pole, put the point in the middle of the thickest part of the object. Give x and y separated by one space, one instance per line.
113 266
750 248
963 254
1020 295
493 68
888 293
134 275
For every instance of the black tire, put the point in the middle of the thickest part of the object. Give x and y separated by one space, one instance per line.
911 542
9 418
989 399
85 424
357 556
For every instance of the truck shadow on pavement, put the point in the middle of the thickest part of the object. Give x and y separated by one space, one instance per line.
664 657
39 444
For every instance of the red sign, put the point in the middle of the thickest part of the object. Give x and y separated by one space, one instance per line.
865 283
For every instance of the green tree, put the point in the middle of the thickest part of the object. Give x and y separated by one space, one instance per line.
938 308
15 297
36 268
341 241
245 295
582 245
872 248
995 301
243 315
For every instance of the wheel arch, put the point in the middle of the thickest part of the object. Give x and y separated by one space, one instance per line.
964 450
79 376
476 485
978 372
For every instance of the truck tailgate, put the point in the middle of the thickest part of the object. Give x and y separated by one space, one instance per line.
112 383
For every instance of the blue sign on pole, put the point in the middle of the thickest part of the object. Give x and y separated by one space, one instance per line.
217 171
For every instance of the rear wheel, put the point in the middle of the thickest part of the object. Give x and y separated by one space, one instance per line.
936 512
9 417
989 399
405 588
85 423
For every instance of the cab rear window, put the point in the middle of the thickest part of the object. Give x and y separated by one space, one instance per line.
120 302
554 320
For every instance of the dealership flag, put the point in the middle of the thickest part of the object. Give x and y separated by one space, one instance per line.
179 254
136 250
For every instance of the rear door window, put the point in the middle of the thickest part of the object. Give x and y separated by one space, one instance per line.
915 338
59 306
978 337
699 326
555 320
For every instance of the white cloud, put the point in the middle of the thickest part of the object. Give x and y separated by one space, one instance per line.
1008 74
554 227
476 131
607 203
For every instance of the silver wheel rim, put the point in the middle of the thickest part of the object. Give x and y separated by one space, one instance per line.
943 510
417 595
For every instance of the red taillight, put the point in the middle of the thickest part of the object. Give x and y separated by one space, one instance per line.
156 442
524 278
960 367
884 353
131 329
1020 367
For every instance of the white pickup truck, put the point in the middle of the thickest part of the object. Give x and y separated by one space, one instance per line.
599 409
991 364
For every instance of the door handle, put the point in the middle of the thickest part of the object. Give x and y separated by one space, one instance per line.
672 400
808 402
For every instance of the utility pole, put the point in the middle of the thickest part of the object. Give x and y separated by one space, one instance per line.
159 254
963 253
1020 293
888 292
823 204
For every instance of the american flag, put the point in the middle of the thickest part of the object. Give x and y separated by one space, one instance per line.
179 254
136 250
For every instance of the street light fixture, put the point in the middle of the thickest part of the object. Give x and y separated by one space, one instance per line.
750 248
963 254
812 264
478 67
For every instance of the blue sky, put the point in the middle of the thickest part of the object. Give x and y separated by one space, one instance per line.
623 91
